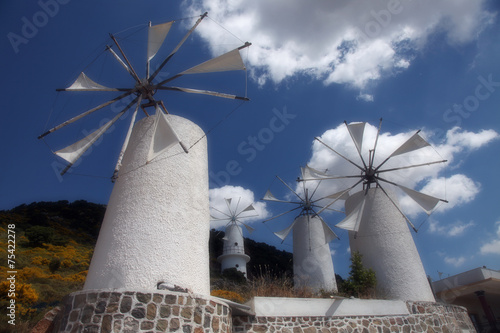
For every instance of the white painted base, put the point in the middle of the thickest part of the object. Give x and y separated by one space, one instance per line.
387 246
321 307
312 259
156 227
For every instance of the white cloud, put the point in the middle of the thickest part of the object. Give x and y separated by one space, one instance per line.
454 261
458 189
492 247
452 230
349 42
239 198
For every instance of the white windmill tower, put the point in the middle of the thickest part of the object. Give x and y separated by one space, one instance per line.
233 252
312 259
377 225
151 232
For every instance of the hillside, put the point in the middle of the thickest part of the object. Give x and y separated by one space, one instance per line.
54 245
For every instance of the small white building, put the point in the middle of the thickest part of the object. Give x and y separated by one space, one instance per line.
233 252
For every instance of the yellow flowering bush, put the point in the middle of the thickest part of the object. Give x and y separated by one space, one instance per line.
226 294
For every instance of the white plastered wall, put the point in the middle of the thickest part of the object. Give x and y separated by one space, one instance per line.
312 259
156 226
387 246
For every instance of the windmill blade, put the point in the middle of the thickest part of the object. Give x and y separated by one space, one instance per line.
270 197
415 142
353 220
340 196
125 142
427 202
249 209
84 83
339 154
156 36
412 166
281 180
330 209
228 216
228 204
120 61
309 173
131 68
276 216
249 228
356 130
151 78
164 136
73 152
230 61
284 233
329 233
205 92
375 144
397 207
86 113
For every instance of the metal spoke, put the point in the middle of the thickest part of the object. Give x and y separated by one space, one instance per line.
336 152
86 113
272 218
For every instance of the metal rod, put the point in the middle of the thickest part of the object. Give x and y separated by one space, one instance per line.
133 72
345 158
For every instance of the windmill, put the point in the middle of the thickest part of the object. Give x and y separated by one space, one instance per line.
376 224
312 260
151 233
233 252
143 90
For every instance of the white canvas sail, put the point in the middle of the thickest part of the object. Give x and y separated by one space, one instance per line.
249 208
413 143
356 130
229 61
309 173
283 233
84 83
329 233
164 135
352 221
427 202
73 152
270 197
156 36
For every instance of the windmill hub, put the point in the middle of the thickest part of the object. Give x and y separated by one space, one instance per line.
145 89
369 176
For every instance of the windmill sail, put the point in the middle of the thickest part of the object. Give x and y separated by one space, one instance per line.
413 143
156 36
352 221
230 61
356 131
73 152
427 202
284 233
84 83
164 135
330 235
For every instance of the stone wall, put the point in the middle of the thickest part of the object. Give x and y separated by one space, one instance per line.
131 311
423 317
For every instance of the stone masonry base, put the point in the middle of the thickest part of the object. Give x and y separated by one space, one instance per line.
168 311
132 311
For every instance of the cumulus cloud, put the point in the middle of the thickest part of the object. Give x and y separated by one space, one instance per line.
452 230
346 42
238 199
457 262
492 247
458 189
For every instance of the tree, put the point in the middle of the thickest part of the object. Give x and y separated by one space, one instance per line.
361 281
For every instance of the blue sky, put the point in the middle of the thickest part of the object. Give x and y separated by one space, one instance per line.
312 65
